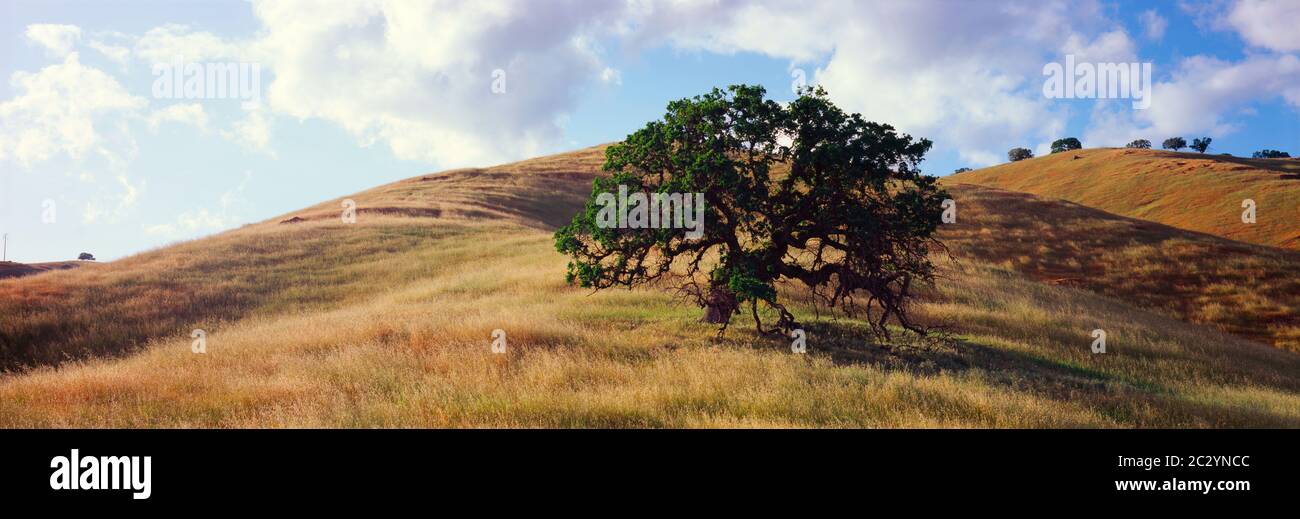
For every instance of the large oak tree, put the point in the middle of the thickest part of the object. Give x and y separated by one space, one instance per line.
800 191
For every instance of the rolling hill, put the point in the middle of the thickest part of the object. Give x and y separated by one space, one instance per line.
1202 193
10 269
1249 290
387 322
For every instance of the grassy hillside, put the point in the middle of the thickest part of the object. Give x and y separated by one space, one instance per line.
1249 290
1190 191
10 269
387 322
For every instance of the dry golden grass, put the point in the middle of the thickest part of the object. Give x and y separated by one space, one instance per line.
10 269
1248 290
1190 191
387 323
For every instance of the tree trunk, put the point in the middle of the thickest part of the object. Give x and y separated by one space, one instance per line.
720 305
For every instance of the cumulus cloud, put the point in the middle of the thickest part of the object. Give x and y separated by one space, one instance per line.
1153 25
58 40
965 74
79 113
418 77
190 223
779 28
968 74
1204 94
59 110
253 132
116 53
1108 47
165 43
189 114
1270 24
1200 97
201 220
612 76
111 205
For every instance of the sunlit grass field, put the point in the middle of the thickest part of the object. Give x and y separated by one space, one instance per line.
388 323
1197 192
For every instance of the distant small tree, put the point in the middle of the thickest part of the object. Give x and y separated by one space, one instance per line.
1271 154
962 170
1141 144
86 256
1019 154
1175 143
1066 144
1201 144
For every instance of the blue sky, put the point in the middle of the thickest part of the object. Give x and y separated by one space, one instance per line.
368 92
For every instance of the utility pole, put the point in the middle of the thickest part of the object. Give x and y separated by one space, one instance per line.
5 256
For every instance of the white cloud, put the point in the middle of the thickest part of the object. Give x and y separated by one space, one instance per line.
772 28
189 223
235 196
56 111
68 110
1207 15
165 43
191 114
965 74
252 132
130 192
202 220
415 76
1200 98
57 39
107 206
1109 47
611 76
418 76
1153 25
1271 24
968 74
118 54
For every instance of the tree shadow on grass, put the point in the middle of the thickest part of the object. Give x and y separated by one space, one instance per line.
1127 400
847 343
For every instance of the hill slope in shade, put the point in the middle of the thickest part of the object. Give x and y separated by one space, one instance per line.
388 322
10 269
1249 290
1190 191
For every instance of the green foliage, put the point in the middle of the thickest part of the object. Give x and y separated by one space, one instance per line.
802 191
1271 154
1019 154
1141 144
1201 144
1066 144
1174 143
745 279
